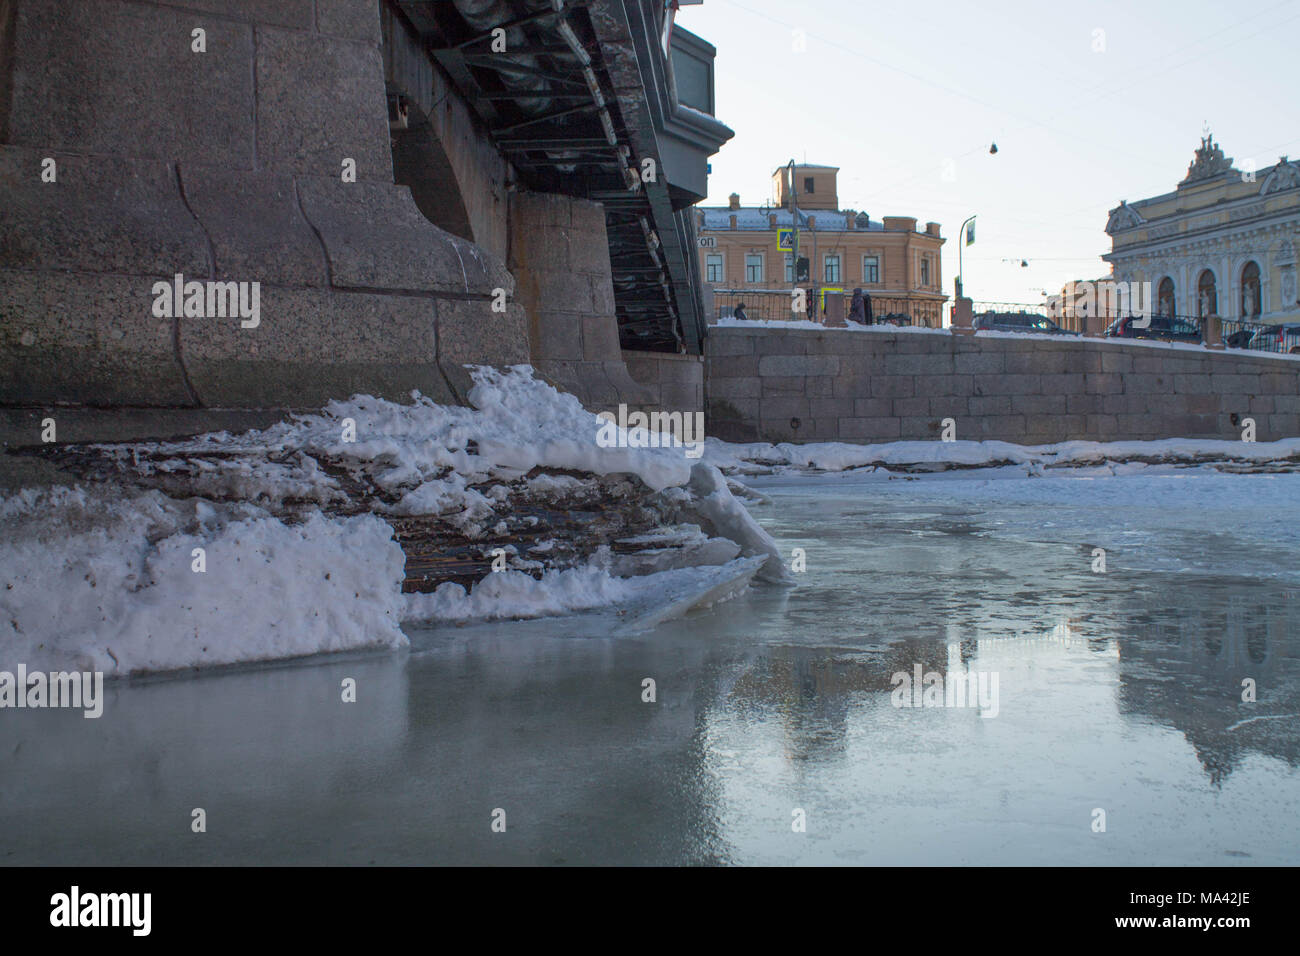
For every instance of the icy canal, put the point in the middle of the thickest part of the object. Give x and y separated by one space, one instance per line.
774 736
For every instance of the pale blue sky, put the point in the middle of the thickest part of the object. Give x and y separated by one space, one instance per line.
890 92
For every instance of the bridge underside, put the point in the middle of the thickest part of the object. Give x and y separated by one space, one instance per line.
577 97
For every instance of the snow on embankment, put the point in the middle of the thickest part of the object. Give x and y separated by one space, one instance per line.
295 527
932 456
96 581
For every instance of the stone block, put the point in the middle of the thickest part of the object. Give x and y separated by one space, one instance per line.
1238 383
376 238
820 386
979 363
559 337
735 388
86 339
600 338
830 408
255 226
1139 384
1116 361
296 14
1039 361
120 78
919 428
470 333
533 212
1008 385
729 366
783 408
893 386
780 343
786 365
1283 426
588 252
956 386
309 128
1039 406
350 19
919 364
101 215
1185 384
911 407
723 342
1083 404
870 429
871 408
980 406
313 345
602 296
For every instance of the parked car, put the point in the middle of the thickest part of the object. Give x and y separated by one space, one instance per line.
1018 322
1278 338
1166 328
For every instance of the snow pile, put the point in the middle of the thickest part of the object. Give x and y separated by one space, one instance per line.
514 594
90 580
298 557
761 457
421 456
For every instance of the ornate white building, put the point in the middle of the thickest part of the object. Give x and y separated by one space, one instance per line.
1222 243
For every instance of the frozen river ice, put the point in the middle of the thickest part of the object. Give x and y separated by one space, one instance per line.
1118 692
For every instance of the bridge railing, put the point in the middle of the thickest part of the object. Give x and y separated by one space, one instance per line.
777 305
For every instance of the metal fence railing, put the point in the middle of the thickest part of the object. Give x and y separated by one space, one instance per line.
770 305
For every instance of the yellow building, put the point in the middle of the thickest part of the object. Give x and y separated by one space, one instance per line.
1222 243
749 250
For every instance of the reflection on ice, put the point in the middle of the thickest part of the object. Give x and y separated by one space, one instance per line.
1124 691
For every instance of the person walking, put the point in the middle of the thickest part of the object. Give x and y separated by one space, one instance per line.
739 311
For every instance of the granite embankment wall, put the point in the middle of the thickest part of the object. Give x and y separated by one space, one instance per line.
876 386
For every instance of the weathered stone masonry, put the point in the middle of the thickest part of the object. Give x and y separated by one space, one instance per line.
886 386
225 165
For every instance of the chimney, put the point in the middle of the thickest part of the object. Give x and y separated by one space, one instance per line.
734 200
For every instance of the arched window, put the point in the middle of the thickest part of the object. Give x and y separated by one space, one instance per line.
1207 296
1165 297
1250 301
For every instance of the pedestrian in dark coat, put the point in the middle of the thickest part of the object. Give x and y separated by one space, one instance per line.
857 309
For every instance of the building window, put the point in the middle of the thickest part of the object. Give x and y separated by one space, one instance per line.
925 270
1250 299
808 183
1165 297
789 268
754 267
832 268
870 269
1207 297
713 267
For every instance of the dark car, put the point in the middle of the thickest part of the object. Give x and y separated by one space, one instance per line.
1166 328
1018 322
1240 339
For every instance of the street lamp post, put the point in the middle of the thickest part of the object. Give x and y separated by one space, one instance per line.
961 245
